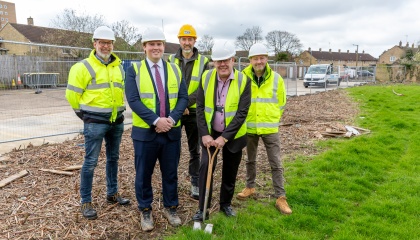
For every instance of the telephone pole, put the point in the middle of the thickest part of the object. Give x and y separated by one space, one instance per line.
357 53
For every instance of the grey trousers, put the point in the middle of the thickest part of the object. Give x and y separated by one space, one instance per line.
272 145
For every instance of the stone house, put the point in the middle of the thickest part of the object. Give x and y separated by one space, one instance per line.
397 52
28 39
309 57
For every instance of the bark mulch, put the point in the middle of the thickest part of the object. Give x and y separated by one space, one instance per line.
44 205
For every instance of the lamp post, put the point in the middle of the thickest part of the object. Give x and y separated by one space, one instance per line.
357 53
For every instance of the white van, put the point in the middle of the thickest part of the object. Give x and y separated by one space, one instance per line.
321 75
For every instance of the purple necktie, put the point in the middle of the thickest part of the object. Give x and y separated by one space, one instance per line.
161 91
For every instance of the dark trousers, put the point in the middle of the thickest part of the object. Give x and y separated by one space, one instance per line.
230 167
190 124
145 156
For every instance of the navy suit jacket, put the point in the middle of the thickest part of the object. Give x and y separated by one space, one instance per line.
133 99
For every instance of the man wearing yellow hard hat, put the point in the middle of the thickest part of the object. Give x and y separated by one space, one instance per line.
192 65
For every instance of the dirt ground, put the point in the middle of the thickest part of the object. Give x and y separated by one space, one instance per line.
43 205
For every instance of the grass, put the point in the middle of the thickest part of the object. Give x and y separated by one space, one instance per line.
365 187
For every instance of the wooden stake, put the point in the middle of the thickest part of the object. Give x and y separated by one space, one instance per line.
74 167
56 171
12 178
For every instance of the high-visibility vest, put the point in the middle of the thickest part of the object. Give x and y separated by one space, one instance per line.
236 88
196 73
97 88
267 103
147 92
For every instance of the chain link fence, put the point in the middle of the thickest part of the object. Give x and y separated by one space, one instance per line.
32 88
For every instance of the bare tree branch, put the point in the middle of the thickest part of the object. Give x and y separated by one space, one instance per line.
250 37
282 41
205 44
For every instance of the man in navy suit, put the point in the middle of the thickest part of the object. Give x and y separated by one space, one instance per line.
158 97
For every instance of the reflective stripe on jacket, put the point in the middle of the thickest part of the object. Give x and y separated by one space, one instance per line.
97 88
236 88
196 73
148 94
267 102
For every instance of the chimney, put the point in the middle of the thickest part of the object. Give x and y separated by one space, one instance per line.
400 43
30 21
320 49
339 50
309 49
412 45
348 51
407 45
330 50
363 51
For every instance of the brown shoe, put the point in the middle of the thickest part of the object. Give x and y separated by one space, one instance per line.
282 206
146 219
247 192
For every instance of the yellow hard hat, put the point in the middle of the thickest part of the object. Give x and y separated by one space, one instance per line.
187 31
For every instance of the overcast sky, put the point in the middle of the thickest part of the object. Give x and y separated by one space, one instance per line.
373 25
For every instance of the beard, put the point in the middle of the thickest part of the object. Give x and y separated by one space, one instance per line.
104 56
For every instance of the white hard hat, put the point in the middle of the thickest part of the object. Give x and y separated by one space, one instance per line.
222 50
257 49
153 34
103 32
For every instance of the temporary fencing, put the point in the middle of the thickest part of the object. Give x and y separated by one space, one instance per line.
32 89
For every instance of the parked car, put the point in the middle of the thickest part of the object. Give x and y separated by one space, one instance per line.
364 73
321 75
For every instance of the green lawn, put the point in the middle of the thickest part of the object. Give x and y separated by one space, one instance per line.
365 187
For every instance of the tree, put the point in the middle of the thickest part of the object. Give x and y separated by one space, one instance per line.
73 29
282 41
70 20
205 44
129 33
250 37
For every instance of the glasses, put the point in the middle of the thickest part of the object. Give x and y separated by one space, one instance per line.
103 44
226 61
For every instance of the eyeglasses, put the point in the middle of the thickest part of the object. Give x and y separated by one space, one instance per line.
103 44
226 61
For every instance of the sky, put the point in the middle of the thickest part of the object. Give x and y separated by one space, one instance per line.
373 25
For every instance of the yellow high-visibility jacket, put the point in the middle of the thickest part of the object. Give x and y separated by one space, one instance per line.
236 88
267 102
96 89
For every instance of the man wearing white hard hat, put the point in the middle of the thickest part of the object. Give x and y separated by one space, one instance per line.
95 91
223 100
157 96
267 106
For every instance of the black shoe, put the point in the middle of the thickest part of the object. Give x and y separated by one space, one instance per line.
116 198
228 211
88 211
198 217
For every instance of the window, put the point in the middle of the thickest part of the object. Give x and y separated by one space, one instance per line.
1 12
1 6
2 19
392 59
5 6
5 13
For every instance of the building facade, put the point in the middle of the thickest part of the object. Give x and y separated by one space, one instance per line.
396 53
339 58
7 13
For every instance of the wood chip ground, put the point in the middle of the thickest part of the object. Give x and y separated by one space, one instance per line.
44 205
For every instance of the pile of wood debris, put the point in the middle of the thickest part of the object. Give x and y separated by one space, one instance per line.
43 202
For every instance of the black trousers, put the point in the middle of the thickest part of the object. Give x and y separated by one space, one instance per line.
230 167
190 124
